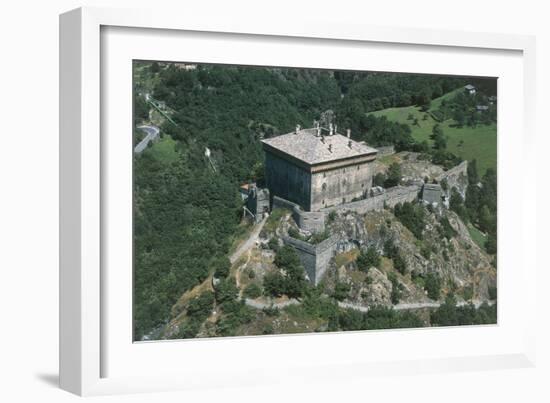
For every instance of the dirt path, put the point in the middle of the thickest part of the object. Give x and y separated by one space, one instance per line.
249 243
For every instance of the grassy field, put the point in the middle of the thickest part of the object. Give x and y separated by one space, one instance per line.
467 142
164 150
477 236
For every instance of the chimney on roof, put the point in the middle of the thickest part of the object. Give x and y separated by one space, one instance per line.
318 130
331 129
330 147
335 129
348 133
297 128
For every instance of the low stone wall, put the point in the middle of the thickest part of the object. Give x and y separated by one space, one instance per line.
385 150
390 198
312 221
314 258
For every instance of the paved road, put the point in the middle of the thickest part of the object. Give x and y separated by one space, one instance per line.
152 133
416 305
249 243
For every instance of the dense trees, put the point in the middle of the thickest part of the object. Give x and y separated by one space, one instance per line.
290 278
449 314
470 110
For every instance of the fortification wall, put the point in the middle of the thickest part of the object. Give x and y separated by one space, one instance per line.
306 220
456 177
390 198
314 258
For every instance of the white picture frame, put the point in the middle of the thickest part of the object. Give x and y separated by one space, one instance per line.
85 343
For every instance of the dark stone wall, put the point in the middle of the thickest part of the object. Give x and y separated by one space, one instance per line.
287 180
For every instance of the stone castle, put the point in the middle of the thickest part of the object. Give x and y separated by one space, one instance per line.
315 171
318 167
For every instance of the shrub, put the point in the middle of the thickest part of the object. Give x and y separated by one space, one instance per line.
379 179
397 288
368 259
221 267
492 291
252 291
273 244
226 291
294 233
274 284
393 176
341 291
468 293
399 264
201 306
271 311
432 284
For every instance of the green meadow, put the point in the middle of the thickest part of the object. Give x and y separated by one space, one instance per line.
469 143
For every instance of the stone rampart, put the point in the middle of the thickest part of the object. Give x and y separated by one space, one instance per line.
314 258
456 177
306 220
389 198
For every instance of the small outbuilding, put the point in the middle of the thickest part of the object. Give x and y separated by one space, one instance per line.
470 89
482 108
257 202
432 193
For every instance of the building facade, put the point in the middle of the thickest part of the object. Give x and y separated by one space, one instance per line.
318 168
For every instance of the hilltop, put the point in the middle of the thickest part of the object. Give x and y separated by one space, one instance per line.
467 142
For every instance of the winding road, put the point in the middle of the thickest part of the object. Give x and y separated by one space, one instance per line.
152 134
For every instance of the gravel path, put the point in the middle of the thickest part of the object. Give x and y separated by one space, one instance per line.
416 305
249 243
262 305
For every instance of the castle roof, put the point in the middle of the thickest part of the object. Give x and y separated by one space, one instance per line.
312 149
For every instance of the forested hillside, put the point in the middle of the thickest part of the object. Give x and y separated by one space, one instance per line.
186 205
